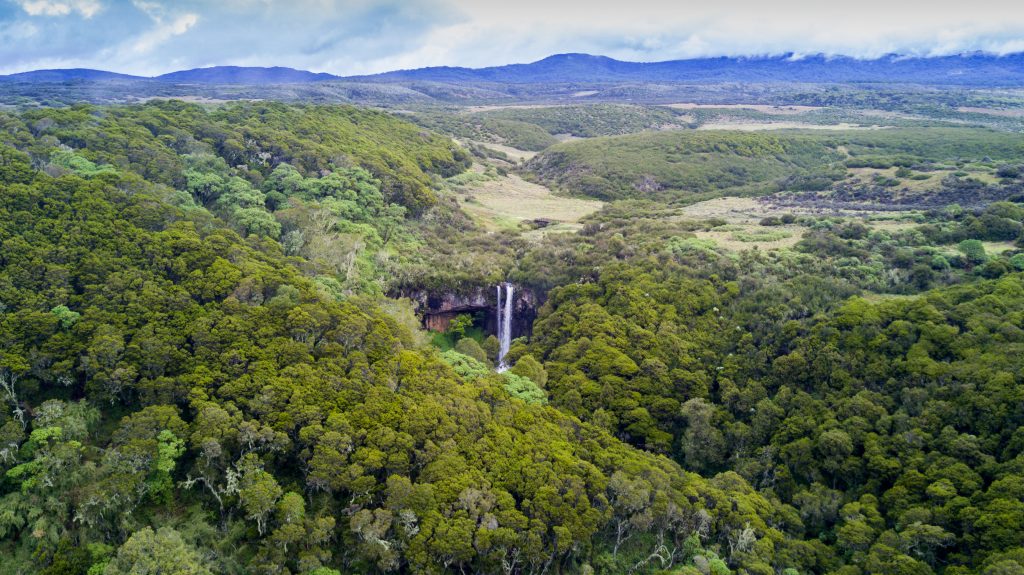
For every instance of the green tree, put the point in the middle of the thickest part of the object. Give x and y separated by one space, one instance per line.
161 552
973 250
471 348
459 325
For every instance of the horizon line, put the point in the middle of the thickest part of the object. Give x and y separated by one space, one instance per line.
790 56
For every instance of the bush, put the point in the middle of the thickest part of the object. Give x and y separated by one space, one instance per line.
524 389
939 262
973 250
994 269
491 347
1017 262
460 324
470 347
1008 172
532 369
66 317
464 365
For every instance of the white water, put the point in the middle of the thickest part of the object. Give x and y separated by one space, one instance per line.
504 325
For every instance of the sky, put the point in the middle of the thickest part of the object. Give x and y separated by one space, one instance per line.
348 37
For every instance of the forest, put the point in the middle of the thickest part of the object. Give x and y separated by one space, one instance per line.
212 358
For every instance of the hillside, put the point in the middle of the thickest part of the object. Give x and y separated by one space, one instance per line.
212 354
196 399
67 75
688 165
161 136
245 75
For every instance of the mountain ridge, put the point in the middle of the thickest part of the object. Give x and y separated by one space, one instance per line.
961 69
968 68
246 75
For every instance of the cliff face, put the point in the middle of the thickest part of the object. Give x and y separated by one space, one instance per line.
437 309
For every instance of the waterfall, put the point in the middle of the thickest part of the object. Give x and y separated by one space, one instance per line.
504 324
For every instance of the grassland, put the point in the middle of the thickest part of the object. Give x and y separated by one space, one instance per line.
506 202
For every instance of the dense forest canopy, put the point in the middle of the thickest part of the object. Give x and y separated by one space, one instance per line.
205 368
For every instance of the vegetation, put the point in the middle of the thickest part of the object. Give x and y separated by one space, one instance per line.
671 165
845 421
688 165
588 121
517 134
251 139
208 408
201 369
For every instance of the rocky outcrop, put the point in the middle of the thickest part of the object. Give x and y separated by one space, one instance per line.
438 309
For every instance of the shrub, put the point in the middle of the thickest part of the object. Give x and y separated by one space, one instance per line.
532 369
470 347
973 250
523 388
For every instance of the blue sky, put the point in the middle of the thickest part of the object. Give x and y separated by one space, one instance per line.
150 37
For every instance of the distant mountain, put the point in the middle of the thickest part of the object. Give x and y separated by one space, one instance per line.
67 75
558 68
967 69
244 75
963 70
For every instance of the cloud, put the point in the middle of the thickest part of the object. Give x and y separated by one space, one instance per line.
17 32
165 27
364 36
87 8
490 33
163 32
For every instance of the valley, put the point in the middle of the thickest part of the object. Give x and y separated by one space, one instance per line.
522 320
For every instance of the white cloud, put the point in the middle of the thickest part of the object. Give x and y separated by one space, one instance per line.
165 26
499 32
163 32
17 31
87 8
366 36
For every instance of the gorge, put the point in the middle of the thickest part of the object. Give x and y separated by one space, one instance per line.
519 305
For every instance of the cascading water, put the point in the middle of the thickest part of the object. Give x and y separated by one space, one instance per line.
504 324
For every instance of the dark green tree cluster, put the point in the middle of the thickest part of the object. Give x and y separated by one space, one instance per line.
155 141
180 399
885 432
199 372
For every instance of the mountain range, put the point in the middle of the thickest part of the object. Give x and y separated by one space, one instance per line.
977 69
